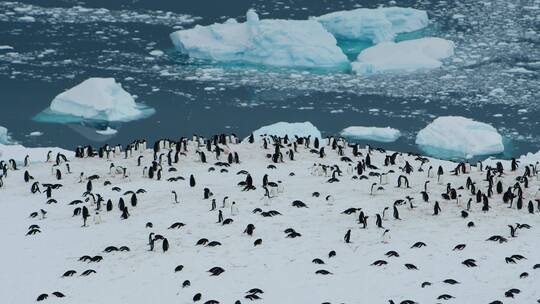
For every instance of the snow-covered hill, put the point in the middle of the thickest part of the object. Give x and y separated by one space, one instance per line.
281 266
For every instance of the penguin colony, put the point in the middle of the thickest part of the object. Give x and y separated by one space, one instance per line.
269 220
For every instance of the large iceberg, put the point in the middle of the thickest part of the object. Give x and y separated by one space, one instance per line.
456 137
285 43
301 129
374 25
371 133
96 99
404 56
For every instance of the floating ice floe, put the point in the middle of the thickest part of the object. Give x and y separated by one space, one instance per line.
35 133
374 25
272 42
371 133
456 137
100 99
108 131
301 129
404 56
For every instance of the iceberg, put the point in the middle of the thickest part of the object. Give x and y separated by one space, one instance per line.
301 129
456 137
371 133
404 56
374 25
272 42
95 99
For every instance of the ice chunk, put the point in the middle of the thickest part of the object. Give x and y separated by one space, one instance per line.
530 158
108 131
371 133
4 138
405 56
96 99
157 53
285 43
35 133
456 137
374 25
301 129
19 152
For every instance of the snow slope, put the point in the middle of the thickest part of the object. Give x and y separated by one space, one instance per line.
404 56
98 99
287 43
460 137
371 133
374 25
36 154
282 267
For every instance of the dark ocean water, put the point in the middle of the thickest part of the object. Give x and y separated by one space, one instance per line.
497 51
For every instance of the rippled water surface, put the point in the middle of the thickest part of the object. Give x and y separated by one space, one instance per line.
494 76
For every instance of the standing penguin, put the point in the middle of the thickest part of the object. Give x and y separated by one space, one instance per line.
192 181
436 208
85 215
121 204
347 236
234 209
134 200
385 236
125 213
165 245
396 213
220 216
378 221
531 207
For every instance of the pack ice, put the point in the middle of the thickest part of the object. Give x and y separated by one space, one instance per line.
371 133
285 43
375 25
288 128
404 56
459 137
98 99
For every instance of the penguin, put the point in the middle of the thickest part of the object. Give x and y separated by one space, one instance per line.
436 208
85 215
378 221
220 216
385 237
512 231
347 236
125 213
165 245
396 213
192 181
175 197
